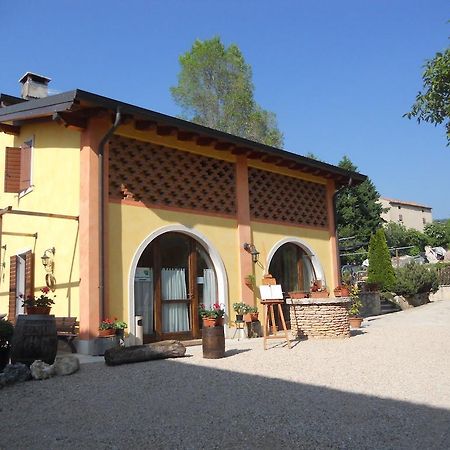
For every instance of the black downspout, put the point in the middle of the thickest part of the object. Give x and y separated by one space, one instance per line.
338 256
101 225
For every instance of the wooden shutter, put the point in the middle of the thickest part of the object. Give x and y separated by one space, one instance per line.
29 282
25 167
29 273
12 288
12 169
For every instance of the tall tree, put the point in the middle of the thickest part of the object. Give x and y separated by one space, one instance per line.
358 212
215 89
380 270
433 105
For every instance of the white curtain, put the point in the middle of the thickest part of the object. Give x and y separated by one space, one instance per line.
143 302
209 288
173 287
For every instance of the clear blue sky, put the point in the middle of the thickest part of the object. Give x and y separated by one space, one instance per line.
338 74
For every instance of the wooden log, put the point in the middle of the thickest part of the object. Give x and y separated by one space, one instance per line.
137 353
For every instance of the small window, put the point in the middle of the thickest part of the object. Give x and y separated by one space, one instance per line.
18 168
424 221
400 217
399 207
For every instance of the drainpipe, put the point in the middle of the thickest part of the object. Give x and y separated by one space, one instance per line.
101 225
338 258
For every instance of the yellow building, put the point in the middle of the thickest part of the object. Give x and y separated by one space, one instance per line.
142 214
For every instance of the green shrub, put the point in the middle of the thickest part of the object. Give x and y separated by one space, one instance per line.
380 270
415 279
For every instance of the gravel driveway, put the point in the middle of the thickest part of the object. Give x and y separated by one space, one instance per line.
386 387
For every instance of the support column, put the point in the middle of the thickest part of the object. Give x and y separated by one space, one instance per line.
334 248
244 229
89 233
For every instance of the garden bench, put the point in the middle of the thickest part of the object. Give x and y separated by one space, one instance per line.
66 329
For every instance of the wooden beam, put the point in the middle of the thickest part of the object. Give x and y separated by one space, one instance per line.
12 233
41 214
5 210
286 163
205 141
271 159
255 155
166 130
224 146
69 120
241 151
10 129
145 125
186 135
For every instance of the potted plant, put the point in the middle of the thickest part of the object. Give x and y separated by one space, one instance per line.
354 319
240 309
341 291
250 280
318 290
212 317
119 327
6 332
252 314
38 305
106 328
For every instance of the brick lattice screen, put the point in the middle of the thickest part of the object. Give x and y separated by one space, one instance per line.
164 176
280 198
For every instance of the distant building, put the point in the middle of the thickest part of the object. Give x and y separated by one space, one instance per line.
409 214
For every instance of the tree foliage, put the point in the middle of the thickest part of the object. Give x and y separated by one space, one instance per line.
358 212
433 104
397 235
380 269
438 234
215 89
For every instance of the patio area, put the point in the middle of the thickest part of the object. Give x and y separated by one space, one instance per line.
385 387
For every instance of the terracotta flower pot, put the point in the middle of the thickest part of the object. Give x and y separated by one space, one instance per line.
106 333
38 310
355 322
210 322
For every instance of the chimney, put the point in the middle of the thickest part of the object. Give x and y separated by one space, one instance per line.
34 86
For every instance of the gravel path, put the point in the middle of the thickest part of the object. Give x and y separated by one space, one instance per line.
386 387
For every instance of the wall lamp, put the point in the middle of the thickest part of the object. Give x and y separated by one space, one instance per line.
250 248
47 259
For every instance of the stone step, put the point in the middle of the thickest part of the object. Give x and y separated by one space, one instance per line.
388 307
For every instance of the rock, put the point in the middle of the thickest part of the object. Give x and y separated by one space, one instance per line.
66 365
138 353
17 372
41 370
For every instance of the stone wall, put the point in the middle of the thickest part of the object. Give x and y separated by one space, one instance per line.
371 304
319 318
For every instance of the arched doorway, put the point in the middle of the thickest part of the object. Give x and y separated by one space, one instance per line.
294 266
173 275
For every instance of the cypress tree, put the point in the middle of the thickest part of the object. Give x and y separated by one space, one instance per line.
380 270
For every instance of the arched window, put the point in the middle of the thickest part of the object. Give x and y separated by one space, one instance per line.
292 268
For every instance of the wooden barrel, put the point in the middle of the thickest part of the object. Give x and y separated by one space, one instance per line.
34 338
213 343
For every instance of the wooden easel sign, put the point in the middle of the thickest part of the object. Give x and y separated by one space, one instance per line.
271 292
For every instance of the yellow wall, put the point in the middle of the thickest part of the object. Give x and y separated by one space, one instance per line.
55 189
131 225
266 236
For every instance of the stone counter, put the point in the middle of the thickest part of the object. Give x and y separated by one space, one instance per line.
319 317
